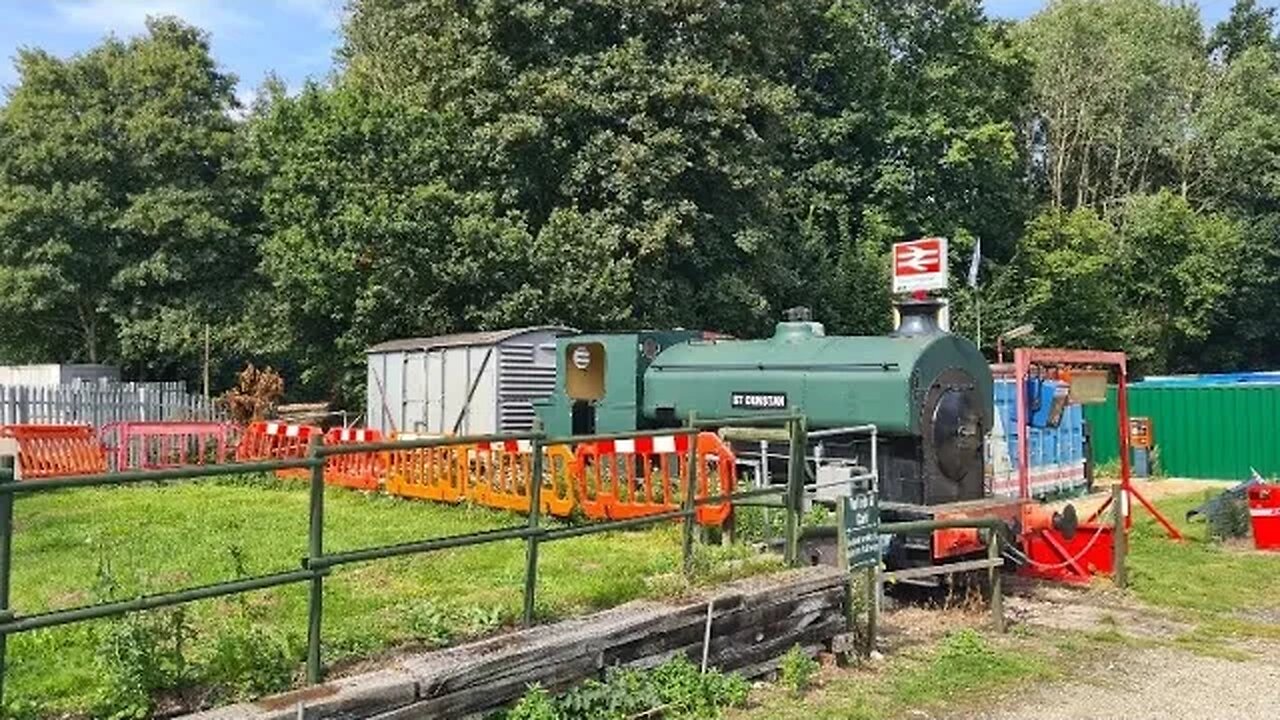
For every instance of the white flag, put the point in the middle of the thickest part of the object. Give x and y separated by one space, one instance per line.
973 264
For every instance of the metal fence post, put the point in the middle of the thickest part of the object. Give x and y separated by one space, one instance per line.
531 542
691 489
7 470
315 549
795 489
1119 541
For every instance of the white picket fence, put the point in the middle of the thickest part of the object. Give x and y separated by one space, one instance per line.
101 403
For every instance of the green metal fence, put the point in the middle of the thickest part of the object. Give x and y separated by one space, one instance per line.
318 564
1212 432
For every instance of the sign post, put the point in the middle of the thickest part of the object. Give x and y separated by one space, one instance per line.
920 265
858 548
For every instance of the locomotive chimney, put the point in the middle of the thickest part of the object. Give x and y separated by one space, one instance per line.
918 316
798 326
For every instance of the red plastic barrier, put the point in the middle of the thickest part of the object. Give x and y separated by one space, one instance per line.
1264 514
158 445
362 471
276 441
49 451
634 477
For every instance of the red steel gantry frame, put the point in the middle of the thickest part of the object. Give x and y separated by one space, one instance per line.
1023 360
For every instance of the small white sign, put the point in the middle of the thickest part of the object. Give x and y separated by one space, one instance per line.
581 357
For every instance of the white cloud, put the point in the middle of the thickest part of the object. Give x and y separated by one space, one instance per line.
126 17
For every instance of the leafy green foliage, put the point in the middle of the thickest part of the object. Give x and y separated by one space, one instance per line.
675 688
124 216
535 704
797 670
615 165
137 656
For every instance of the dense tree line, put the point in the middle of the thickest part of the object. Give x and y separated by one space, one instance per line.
614 164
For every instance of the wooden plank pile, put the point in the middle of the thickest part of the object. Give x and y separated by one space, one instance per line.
753 622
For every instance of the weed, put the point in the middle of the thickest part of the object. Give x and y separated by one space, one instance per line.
676 689
535 705
138 655
1108 635
428 624
797 670
249 660
479 620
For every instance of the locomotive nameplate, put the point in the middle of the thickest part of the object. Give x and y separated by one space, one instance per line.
758 401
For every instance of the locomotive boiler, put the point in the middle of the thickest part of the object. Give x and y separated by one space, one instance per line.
928 392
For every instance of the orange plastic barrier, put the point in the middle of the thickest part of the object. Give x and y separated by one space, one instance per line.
620 479
436 473
361 471
500 473
49 451
276 441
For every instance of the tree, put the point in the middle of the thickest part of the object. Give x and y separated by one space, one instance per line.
1115 84
660 121
371 235
121 208
747 156
1248 26
1177 269
1072 293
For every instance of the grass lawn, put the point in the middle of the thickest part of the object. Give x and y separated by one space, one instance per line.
963 666
84 546
1199 575
1223 590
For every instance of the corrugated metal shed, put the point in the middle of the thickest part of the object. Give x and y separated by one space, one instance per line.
470 383
1212 427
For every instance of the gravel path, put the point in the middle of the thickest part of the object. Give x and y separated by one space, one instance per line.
1159 684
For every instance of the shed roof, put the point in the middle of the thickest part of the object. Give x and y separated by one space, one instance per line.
464 339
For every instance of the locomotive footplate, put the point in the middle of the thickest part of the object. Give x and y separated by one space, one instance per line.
940 546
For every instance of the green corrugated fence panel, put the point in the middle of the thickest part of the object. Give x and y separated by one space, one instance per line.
1215 432
1102 429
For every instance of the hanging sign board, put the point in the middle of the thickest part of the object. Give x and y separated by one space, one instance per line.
920 265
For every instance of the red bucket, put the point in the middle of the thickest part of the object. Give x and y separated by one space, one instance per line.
1264 513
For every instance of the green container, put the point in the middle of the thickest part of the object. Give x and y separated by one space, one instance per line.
1210 432
834 381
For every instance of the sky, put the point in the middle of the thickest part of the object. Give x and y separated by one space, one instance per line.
295 38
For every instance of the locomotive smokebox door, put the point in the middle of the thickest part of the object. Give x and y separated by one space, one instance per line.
952 434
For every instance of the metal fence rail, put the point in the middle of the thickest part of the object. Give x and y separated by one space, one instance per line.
317 564
99 404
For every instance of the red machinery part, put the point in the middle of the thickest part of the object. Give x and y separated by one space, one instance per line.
957 542
1264 514
1052 555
